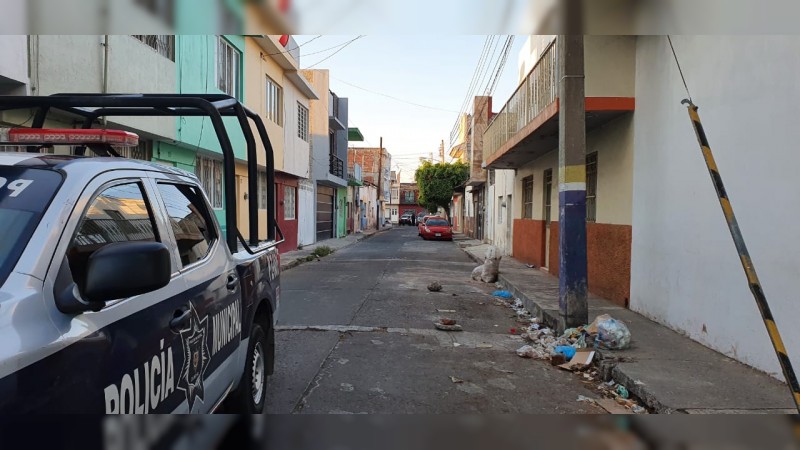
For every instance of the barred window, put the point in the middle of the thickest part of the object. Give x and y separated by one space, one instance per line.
289 201
527 197
144 151
591 187
548 191
491 177
274 105
164 44
209 171
302 122
228 67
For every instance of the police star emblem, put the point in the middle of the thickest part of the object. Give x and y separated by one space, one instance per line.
195 358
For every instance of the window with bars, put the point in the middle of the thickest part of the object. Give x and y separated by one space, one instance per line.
302 122
209 172
548 191
408 196
274 106
491 177
163 44
527 197
591 187
143 151
289 201
262 190
228 67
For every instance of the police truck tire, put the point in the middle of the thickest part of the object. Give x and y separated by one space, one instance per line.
250 396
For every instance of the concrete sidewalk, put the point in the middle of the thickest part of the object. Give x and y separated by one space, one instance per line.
297 257
669 372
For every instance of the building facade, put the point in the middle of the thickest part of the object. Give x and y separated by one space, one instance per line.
376 169
329 137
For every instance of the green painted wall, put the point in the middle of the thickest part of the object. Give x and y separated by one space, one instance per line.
195 58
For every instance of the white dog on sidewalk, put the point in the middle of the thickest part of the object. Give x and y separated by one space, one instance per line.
488 271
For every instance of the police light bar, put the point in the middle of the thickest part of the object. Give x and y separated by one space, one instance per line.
17 136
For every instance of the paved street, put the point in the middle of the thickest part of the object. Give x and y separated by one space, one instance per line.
356 335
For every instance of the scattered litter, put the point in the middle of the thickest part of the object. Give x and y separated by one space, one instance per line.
456 344
612 334
558 359
482 345
481 303
446 310
622 391
445 321
587 376
612 407
496 325
592 328
502 294
583 357
377 342
638 382
435 287
456 380
638 409
444 327
530 266
346 387
566 350
343 361
513 331
583 398
534 320
526 351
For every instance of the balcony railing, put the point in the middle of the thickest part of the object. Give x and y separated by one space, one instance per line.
537 90
337 166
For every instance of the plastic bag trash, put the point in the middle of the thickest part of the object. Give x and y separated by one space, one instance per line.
622 391
566 350
582 398
612 334
592 328
502 294
526 351
581 342
638 409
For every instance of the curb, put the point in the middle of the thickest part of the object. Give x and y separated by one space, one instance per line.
606 363
296 262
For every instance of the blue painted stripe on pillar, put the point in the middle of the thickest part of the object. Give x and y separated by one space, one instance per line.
572 245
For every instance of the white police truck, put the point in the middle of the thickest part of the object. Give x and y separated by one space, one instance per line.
119 290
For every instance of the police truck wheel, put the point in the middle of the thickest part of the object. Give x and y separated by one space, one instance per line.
252 391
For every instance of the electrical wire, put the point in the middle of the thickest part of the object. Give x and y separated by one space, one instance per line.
300 45
679 67
343 46
478 69
392 97
501 63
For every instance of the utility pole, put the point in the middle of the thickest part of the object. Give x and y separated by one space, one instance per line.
380 184
572 280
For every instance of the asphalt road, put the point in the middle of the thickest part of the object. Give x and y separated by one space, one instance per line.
355 335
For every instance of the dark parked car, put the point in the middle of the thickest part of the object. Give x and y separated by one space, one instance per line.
407 219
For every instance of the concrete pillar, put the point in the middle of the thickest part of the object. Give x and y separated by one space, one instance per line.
572 182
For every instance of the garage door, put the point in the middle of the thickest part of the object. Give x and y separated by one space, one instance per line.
324 212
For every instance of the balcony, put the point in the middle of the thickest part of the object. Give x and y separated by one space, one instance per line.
527 125
336 167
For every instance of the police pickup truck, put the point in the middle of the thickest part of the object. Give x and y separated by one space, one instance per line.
119 290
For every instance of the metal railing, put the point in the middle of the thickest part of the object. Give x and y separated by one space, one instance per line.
537 90
337 166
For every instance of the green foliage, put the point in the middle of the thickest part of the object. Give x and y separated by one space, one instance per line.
438 181
323 250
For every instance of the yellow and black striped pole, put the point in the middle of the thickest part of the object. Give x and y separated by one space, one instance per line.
744 256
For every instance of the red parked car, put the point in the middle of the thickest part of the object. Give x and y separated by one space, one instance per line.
421 222
437 228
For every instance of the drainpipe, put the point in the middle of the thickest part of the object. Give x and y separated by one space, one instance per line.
105 73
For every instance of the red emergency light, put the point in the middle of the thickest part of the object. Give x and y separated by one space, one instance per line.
17 136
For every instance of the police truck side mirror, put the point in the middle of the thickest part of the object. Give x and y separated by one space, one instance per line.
125 269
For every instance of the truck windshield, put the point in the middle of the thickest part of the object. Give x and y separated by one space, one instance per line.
25 194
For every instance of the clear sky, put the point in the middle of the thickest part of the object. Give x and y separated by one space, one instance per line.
433 71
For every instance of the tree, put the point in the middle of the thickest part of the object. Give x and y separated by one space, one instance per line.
437 182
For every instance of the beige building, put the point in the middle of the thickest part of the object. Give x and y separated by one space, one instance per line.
521 153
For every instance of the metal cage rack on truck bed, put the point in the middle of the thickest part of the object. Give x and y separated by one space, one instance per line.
91 107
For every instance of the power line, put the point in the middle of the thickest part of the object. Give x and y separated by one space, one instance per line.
501 63
392 97
343 46
481 59
300 45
